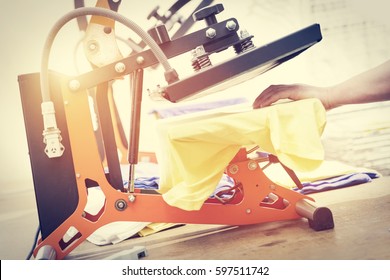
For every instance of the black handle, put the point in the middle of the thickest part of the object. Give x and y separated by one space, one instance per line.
208 13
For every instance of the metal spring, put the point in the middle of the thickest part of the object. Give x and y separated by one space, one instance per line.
244 46
201 62
247 44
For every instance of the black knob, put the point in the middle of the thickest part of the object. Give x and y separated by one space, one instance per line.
208 14
154 14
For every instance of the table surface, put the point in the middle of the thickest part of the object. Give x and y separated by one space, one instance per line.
362 231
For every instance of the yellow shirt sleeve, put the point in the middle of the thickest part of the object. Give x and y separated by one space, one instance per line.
194 151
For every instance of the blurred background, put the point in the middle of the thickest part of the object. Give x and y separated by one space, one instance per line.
356 37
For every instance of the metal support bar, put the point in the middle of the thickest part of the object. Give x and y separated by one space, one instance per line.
136 79
110 147
171 49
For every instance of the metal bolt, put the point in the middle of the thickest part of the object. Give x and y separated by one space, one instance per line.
140 60
120 67
248 211
74 85
231 25
211 33
78 175
244 34
199 51
107 29
252 165
233 169
92 45
120 205
131 198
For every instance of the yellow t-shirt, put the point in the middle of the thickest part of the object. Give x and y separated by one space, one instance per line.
195 150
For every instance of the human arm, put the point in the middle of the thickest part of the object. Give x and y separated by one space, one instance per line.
370 86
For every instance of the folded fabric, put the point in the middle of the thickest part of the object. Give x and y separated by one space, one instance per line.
328 169
330 175
337 182
194 151
145 183
152 183
155 227
116 232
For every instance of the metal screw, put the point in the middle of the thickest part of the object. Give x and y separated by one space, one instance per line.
199 50
74 85
233 169
107 29
78 175
252 165
244 34
140 60
248 211
120 67
120 204
231 25
211 33
92 45
131 198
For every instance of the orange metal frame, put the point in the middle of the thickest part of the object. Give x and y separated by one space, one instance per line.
248 207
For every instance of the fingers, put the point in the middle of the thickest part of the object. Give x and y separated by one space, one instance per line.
272 94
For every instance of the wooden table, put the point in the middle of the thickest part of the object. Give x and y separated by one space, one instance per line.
362 231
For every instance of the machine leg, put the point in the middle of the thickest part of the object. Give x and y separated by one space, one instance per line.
320 218
47 252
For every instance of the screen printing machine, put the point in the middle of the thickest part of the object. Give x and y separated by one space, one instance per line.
68 156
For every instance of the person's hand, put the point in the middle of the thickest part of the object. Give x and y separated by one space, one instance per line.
294 92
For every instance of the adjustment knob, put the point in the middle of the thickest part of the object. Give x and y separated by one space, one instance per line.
208 14
154 14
